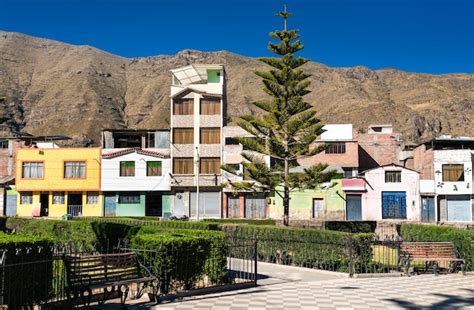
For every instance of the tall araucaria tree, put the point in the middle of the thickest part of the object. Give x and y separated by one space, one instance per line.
286 130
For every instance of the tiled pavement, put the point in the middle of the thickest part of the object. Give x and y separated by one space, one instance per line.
298 288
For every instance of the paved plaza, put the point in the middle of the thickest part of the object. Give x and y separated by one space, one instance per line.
283 287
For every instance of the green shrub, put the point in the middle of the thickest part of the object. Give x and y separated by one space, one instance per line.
313 248
83 235
351 226
463 239
242 221
27 275
182 257
164 224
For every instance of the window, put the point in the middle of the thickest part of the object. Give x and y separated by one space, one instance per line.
75 169
127 168
92 198
393 176
453 173
58 198
26 198
210 136
130 197
210 106
210 166
183 106
231 141
4 144
183 166
183 135
336 148
32 170
236 167
347 173
153 168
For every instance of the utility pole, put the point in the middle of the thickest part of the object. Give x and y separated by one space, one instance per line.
197 183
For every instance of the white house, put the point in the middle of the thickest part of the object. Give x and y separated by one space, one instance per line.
392 193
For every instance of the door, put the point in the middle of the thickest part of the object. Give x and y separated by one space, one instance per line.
459 208
317 211
74 204
233 208
353 207
44 201
110 204
179 205
153 204
10 204
427 209
255 206
394 205
209 205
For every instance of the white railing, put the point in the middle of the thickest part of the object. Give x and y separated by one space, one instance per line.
74 210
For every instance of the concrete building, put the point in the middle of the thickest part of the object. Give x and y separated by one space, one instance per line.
239 204
197 118
378 146
53 182
390 192
445 165
136 169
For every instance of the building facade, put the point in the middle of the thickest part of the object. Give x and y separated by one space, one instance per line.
136 182
59 181
197 118
390 192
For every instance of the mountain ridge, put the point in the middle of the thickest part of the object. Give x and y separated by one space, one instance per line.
55 87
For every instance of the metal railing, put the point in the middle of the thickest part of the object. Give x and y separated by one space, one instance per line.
35 277
74 210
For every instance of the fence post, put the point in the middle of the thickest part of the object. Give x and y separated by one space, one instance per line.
255 261
351 265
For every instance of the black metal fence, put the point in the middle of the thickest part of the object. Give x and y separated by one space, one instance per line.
28 282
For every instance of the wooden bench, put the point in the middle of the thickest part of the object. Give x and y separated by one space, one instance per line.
104 275
430 253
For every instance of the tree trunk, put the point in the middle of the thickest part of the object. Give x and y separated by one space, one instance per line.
286 206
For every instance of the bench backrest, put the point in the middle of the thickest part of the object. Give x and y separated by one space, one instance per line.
429 249
101 268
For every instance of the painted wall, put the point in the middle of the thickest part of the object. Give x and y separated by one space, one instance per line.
301 203
112 181
58 210
453 157
54 169
131 209
372 199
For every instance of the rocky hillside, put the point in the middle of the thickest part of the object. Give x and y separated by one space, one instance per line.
53 87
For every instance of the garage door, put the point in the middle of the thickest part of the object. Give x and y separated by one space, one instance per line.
459 208
209 204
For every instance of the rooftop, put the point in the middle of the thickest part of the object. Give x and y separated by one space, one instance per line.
193 74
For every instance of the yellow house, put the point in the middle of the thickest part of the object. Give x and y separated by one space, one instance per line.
57 181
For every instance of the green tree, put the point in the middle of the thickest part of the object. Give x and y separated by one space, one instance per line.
287 128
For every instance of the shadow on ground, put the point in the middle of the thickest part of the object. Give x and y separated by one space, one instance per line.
448 302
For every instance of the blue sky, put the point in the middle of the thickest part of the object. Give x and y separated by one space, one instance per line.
434 36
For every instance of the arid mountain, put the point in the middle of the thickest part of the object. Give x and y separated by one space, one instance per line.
52 87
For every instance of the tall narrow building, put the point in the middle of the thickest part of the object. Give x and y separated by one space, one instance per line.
197 118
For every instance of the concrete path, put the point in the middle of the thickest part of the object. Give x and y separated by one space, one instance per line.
284 287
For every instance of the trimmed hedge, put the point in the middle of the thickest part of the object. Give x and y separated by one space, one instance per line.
463 239
163 224
313 248
28 270
183 257
83 235
354 227
242 221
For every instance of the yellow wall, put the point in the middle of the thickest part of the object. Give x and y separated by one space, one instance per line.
54 169
25 210
58 210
